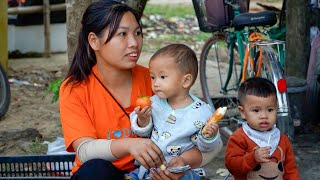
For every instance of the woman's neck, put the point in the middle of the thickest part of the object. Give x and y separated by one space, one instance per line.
118 82
114 78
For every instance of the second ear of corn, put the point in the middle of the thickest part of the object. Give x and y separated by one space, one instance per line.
163 167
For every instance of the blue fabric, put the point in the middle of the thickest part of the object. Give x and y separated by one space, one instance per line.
190 175
176 130
98 169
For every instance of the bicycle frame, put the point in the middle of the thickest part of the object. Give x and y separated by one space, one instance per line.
241 37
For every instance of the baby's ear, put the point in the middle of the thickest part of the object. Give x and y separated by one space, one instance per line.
187 80
240 109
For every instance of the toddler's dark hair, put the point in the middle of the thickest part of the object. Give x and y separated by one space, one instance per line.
184 56
256 86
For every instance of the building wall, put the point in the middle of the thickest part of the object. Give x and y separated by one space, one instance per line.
31 38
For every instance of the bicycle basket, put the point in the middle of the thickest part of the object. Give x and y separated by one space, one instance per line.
213 15
36 166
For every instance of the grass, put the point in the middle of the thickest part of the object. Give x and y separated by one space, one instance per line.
168 11
37 147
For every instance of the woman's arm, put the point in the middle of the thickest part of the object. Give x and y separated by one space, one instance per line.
191 157
142 149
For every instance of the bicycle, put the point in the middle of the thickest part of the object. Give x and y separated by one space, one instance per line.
237 57
5 93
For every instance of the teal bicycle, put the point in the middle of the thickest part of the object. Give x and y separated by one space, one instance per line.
239 48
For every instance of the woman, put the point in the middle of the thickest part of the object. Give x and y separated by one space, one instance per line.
99 92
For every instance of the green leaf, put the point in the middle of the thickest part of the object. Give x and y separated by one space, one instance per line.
54 88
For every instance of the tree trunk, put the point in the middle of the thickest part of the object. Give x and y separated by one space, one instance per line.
297 38
75 10
297 56
137 5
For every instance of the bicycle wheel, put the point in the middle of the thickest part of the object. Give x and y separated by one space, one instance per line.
215 66
4 92
272 70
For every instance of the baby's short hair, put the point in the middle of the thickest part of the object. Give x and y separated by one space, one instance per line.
256 86
184 56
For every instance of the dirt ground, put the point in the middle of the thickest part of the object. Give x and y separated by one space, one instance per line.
32 119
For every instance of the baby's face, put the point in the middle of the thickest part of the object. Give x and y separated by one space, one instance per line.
260 112
167 80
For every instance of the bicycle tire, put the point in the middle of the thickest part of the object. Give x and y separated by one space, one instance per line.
5 94
272 70
214 64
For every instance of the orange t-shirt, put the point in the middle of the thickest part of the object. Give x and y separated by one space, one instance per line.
88 110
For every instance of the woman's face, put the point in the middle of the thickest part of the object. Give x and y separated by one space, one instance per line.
123 50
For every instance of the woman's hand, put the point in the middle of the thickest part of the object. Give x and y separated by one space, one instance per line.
165 174
159 174
146 152
143 115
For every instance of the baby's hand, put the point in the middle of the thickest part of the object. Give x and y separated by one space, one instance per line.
143 115
211 130
177 161
261 155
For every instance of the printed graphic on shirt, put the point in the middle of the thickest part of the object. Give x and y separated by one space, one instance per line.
197 105
155 134
122 133
165 135
270 170
194 138
171 119
198 124
174 150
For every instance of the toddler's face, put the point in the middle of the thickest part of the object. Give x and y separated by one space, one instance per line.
260 112
166 79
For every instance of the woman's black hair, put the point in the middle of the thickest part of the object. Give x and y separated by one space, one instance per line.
99 16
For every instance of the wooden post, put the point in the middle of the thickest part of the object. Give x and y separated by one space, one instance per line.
46 25
4 34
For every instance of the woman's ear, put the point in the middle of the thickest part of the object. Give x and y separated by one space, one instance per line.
93 41
241 110
187 80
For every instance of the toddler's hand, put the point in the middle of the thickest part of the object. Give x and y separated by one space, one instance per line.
143 115
211 130
261 155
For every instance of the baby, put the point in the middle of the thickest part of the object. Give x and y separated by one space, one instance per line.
177 117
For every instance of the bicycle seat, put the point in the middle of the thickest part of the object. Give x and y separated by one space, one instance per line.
264 18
